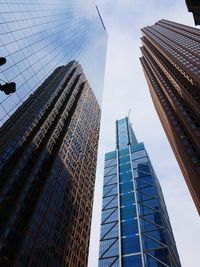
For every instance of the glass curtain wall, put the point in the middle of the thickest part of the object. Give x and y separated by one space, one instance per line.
135 227
38 36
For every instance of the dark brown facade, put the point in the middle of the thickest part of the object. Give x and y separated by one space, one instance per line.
48 153
171 63
194 7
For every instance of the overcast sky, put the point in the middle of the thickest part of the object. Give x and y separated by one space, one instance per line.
126 87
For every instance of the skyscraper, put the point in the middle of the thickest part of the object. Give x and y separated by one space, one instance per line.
49 136
38 36
171 63
194 7
135 227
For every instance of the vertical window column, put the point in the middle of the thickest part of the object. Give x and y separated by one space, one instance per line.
129 225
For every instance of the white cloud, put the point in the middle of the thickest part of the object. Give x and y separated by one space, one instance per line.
126 87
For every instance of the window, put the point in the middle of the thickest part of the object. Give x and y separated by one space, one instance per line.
130 245
127 199
129 227
126 187
125 167
123 152
110 155
125 177
124 159
128 212
135 261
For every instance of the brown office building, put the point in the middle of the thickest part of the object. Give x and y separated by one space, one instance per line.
171 63
194 7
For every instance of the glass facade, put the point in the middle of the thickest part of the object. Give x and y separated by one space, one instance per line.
47 167
135 228
49 134
38 36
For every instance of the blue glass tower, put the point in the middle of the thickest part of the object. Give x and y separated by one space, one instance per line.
135 227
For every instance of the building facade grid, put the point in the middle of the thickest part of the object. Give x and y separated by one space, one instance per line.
135 227
171 63
38 36
48 162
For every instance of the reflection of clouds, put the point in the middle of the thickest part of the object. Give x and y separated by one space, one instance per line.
42 35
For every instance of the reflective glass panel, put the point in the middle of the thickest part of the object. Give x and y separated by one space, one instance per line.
38 36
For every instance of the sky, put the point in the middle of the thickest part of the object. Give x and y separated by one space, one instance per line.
126 88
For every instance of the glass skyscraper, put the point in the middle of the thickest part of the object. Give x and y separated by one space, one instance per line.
135 227
38 36
55 53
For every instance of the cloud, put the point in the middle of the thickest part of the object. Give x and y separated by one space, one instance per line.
126 87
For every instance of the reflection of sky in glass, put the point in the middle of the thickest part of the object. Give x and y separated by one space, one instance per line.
37 37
